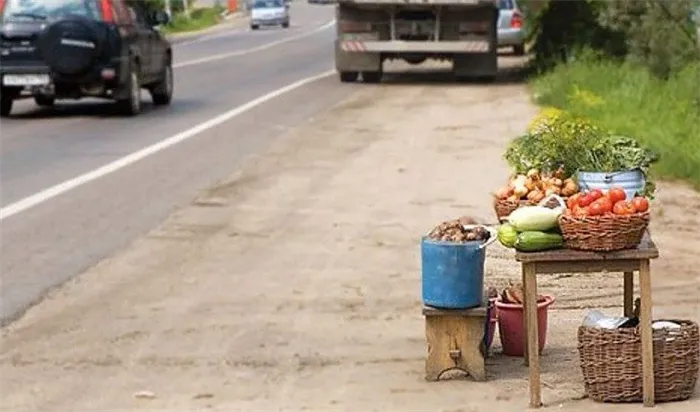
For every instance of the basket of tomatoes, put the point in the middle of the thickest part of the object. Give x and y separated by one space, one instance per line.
604 222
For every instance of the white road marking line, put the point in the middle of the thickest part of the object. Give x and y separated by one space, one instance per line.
61 188
253 49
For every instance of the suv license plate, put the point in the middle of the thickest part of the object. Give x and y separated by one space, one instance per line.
26 79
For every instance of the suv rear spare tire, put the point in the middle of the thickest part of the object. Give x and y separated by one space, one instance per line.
71 45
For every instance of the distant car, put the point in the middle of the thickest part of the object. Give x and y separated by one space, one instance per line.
511 26
69 49
269 13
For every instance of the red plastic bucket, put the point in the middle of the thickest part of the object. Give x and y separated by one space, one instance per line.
512 330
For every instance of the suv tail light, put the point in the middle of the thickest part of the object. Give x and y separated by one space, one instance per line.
516 22
348 26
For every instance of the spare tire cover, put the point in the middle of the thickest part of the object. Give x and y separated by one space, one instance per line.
71 45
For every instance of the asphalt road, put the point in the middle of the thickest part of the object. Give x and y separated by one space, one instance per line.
50 243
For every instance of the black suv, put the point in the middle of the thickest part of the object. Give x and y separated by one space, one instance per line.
83 48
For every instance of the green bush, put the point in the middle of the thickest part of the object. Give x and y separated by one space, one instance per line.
629 99
658 34
197 20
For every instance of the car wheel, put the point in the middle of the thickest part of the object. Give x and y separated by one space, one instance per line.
348 77
162 92
131 105
254 27
5 105
519 50
286 24
44 101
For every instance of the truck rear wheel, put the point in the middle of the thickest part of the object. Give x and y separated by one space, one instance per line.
6 106
372 77
348 77
44 101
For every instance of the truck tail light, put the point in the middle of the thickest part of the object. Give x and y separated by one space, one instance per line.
349 26
516 22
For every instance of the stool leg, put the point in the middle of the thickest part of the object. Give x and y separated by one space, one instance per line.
433 363
628 294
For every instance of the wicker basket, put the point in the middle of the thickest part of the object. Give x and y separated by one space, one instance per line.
603 233
611 362
505 207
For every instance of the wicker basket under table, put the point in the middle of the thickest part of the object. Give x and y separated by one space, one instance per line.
611 362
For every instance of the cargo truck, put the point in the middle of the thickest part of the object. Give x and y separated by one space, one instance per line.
370 32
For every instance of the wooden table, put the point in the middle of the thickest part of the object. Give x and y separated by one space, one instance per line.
570 261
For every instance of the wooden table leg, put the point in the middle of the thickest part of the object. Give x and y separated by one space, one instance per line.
533 355
645 326
628 294
524 268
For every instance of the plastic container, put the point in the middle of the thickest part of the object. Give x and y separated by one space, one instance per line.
632 181
453 273
512 330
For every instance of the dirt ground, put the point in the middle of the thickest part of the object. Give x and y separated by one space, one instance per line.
295 284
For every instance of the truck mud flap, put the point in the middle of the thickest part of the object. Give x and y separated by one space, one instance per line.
356 61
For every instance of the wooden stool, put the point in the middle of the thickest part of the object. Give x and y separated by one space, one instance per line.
455 341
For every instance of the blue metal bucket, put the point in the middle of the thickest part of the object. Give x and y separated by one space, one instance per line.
453 273
632 181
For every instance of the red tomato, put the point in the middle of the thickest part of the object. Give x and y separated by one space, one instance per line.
641 204
621 208
585 200
606 204
595 209
596 194
573 201
616 194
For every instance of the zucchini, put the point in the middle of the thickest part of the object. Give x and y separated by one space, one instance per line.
507 235
534 218
535 241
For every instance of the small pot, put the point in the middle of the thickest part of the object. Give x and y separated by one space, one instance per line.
512 330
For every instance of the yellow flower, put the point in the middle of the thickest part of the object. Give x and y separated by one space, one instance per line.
546 117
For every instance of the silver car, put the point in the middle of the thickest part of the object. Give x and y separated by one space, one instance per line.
511 26
269 13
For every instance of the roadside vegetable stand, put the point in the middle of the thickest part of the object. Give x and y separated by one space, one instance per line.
573 261
578 201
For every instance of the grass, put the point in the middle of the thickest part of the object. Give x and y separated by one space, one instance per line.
627 99
199 19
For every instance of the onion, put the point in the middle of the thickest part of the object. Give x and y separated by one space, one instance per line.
503 193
